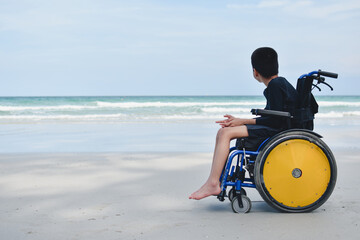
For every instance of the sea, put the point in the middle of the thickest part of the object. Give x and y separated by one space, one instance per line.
138 123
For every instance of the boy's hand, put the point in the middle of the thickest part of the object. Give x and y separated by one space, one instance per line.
231 121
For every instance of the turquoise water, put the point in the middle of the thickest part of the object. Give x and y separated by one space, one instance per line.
142 124
152 109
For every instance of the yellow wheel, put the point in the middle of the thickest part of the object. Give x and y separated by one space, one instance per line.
295 172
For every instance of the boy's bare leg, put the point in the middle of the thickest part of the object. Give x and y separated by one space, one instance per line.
222 145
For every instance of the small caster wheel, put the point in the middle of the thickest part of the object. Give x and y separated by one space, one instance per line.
246 204
232 193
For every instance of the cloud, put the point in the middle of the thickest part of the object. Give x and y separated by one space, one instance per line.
343 9
306 8
260 5
267 4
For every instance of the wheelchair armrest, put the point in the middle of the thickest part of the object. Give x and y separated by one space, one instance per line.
264 112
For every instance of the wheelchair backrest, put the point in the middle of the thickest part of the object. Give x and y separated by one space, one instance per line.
307 106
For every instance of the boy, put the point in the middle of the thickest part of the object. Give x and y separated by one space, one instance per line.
280 96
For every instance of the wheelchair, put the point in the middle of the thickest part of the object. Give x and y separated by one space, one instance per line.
293 171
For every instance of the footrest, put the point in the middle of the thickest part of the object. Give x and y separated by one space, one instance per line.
221 196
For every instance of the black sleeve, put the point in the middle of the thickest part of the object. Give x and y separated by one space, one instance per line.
275 101
275 98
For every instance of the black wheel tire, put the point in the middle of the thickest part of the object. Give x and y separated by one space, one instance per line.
246 205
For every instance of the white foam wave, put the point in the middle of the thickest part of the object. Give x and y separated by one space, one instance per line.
37 108
225 110
334 114
61 117
101 105
194 117
338 103
174 104
112 117
161 117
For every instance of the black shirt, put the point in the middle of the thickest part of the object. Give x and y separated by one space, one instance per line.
280 96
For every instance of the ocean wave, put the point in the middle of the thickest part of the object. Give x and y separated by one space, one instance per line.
338 104
225 110
51 108
156 117
174 104
199 117
152 109
61 117
334 114
128 105
206 106
112 117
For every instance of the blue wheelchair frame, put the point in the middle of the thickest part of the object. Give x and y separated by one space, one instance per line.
241 158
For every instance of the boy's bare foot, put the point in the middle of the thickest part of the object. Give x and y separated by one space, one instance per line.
205 191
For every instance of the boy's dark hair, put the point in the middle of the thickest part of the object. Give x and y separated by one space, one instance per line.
265 61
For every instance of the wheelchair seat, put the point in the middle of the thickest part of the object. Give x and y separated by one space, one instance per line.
250 144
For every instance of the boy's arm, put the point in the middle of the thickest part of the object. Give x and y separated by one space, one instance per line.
275 102
233 122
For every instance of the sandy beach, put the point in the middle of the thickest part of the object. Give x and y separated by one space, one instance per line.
62 178
145 196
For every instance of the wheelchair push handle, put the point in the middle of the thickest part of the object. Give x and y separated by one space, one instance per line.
320 77
328 74
317 74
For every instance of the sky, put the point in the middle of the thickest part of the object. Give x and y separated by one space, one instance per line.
159 47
